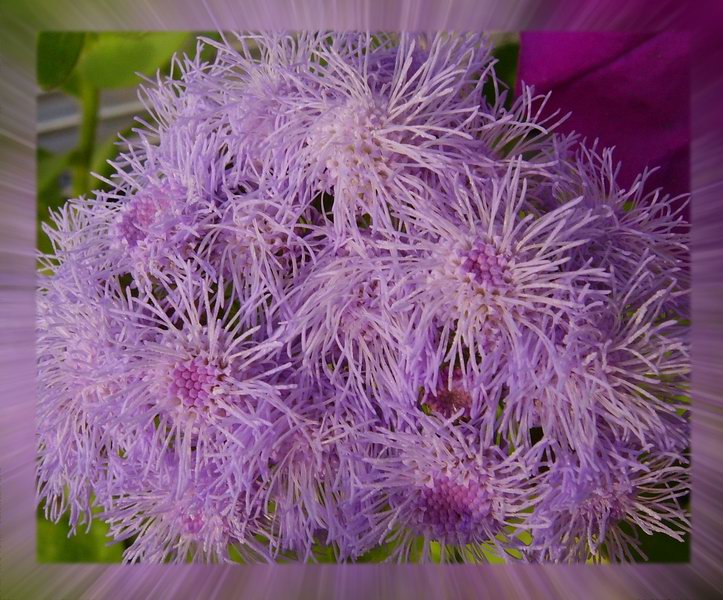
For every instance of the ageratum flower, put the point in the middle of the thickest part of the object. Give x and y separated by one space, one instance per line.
83 363
306 487
629 222
489 295
587 511
341 300
351 336
442 485
170 521
258 245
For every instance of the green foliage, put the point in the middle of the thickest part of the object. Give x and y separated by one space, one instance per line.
506 68
112 60
105 151
378 554
53 544
658 547
82 65
58 53
661 548
506 57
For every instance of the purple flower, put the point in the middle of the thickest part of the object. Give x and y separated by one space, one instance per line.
442 484
351 335
585 512
490 297
83 369
169 521
156 226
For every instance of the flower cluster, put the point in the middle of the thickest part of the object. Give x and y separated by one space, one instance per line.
342 298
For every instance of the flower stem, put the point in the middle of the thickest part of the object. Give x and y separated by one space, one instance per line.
84 152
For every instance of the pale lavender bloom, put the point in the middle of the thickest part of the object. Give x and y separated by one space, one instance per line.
259 245
350 333
372 138
262 83
585 511
633 225
209 383
83 370
157 225
305 480
489 295
198 520
440 482
628 371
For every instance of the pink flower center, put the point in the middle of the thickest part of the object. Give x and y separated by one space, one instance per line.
192 382
487 266
143 212
452 511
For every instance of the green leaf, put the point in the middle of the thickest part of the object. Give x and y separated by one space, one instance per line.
113 59
506 67
54 545
661 548
107 150
208 52
658 547
507 55
58 53
378 554
71 86
324 554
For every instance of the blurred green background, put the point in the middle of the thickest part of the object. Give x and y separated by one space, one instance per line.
87 96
